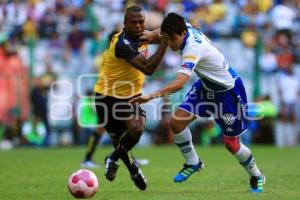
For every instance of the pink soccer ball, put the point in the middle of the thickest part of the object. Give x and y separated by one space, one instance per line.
83 184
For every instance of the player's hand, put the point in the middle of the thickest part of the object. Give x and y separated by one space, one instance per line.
163 40
149 36
140 100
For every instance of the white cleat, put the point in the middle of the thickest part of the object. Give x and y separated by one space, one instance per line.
90 164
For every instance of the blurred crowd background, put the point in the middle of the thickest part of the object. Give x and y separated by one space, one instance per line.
51 51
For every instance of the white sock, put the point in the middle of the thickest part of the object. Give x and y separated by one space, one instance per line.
184 141
291 134
246 159
279 134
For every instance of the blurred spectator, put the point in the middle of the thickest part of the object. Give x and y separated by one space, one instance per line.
285 58
34 132
268 67
49 76
48 24
262 117
12 129
89 15
289 90
16 15
268 62
63 21
36 9
249 37
39 103
264 5
98 43
217 10
13 83
61 112
29 30
87 119
75 40
283 17
55 50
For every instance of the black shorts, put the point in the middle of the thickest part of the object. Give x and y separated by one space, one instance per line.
112 113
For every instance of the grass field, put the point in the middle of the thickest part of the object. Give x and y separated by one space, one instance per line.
42 174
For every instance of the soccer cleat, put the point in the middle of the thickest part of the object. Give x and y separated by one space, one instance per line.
111 169
187 171
256 183
89 164
139 179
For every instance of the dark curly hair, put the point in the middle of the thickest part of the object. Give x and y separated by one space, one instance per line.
173 24
132 9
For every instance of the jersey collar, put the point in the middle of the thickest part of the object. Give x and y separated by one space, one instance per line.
187 34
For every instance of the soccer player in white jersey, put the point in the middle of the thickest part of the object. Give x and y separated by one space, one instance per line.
219 92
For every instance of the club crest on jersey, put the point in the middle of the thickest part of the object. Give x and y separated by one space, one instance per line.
188 65
228 118
145 53
144 50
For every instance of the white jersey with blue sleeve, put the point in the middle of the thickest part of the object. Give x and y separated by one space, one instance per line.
199 55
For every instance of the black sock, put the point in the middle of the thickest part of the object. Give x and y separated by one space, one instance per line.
91 147
126 143
128 161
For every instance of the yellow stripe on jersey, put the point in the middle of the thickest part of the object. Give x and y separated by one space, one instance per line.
118 78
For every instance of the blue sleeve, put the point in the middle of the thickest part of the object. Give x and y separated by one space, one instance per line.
126 49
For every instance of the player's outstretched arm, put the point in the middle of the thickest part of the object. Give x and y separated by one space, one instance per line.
172 87
149 65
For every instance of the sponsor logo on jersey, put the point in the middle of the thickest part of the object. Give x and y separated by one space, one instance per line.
228 118
188 65
189 57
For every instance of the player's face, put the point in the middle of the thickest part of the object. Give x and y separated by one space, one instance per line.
174 41
134 24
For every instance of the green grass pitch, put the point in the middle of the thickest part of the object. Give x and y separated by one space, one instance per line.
42 174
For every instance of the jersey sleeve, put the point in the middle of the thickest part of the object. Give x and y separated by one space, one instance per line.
126 49
190 59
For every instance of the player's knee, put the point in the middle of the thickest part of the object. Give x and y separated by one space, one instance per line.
136 130
176 126
232 144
